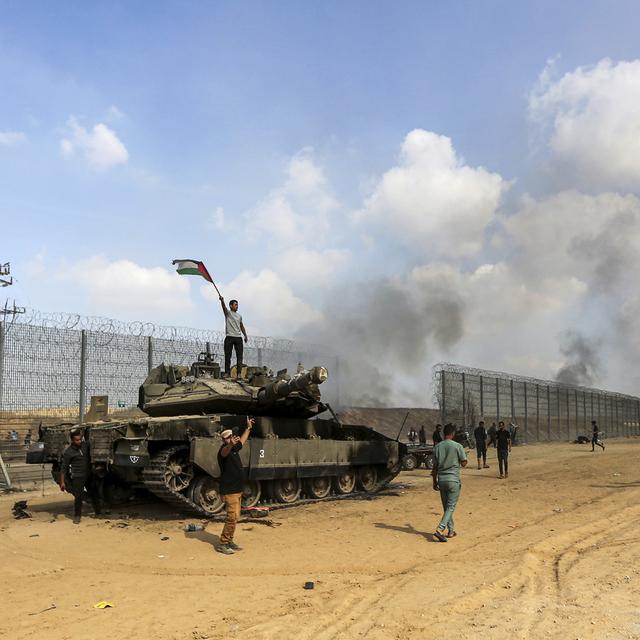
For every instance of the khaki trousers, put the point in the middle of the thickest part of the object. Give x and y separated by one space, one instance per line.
232 503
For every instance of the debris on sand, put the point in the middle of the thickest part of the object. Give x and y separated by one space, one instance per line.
19 510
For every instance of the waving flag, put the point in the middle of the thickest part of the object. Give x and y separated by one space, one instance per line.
192 268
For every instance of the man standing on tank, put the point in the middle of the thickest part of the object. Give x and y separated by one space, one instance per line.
234 331
231 484
448 457
75 474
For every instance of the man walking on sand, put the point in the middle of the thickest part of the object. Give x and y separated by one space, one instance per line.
595 436
75 474
448 457
480 436
231 484
503 441
234 331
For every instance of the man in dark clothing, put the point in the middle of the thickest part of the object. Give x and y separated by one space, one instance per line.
595 436
503 441
422 436
480 436
75 474
234 331
437 434
231 484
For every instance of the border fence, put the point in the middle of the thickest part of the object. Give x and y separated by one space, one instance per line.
543 409
51 364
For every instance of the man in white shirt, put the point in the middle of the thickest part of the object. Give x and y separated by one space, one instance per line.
234 331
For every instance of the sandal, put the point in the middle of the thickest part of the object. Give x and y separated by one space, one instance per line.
451 534
440 536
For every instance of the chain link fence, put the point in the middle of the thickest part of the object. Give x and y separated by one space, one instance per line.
51 364
544 410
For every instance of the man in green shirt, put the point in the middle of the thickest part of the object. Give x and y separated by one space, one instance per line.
448 457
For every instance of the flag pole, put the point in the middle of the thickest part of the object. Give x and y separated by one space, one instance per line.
216 286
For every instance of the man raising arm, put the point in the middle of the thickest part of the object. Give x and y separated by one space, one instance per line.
234 331
231 484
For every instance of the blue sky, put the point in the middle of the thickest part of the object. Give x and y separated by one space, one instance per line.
257 136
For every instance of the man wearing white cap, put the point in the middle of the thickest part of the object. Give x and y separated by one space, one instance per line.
231 484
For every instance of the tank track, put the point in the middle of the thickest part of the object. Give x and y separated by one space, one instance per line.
153 480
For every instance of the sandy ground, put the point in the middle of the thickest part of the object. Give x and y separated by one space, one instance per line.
550 552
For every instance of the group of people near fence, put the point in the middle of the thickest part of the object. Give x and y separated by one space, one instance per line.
449 457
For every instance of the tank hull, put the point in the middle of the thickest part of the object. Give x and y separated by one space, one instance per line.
298 454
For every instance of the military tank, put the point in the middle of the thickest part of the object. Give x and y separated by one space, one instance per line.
294 454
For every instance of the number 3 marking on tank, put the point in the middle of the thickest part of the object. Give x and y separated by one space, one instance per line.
262 453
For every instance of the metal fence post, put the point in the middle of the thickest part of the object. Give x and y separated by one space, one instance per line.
537 412
2 339
443 402
568 417
337 377
260 359
576 413
150 354
481 398
498 399
83 370
548 414
615 400
526 411
513 406
464 400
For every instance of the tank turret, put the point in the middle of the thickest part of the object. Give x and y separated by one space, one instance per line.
172 391
303 381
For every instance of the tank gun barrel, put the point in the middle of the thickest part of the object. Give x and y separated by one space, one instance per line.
299 382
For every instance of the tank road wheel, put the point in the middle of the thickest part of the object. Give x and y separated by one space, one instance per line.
287 490
204 492
318 487
178 471
251 493
367 478
409 462
345 482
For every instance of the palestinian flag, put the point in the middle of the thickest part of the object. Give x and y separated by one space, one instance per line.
192 268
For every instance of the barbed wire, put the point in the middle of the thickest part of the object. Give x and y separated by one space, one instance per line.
40 357
111 326
501 375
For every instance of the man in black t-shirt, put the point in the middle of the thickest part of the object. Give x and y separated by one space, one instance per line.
231 484
480 436
437 434
75 474
422 436
595 436
503 441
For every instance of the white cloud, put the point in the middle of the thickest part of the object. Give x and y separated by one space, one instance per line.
299 209
101 146
125 286
217 221
311 269
266 302
590 121
114 114
432 200
11 138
